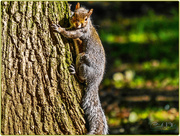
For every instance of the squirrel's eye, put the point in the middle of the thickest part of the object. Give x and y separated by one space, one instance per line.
85 18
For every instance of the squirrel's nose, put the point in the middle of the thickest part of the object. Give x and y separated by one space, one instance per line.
78 25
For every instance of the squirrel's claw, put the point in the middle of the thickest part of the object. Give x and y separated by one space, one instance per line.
55 27
72 65
58 25
72 69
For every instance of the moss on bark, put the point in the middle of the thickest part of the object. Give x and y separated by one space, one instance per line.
39 96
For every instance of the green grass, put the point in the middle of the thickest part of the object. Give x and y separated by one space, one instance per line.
142 53
137 115
147 46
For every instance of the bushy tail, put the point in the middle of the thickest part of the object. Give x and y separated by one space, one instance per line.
94 112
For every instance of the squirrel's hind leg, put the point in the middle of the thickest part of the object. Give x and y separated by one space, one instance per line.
72 71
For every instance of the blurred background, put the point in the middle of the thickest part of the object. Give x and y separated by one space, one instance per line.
139 92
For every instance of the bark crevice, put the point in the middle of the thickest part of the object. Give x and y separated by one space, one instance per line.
39 96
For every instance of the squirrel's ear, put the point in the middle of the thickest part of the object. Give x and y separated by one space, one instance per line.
90 12
77 6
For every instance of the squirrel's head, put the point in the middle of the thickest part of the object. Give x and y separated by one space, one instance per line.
80 17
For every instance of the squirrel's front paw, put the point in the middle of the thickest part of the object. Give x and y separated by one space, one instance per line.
72 69
57 28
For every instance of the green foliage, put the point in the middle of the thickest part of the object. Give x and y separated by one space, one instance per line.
142 53
150 43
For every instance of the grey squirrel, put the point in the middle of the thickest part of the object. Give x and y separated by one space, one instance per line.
89 67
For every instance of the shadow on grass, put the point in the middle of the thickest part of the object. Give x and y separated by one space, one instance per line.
120 104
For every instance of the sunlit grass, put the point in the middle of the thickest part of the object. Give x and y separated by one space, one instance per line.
153 114
149 74
143 55
149 44
149 28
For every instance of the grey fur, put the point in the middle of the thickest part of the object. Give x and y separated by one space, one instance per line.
89 67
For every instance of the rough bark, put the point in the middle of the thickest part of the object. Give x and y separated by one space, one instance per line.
38 94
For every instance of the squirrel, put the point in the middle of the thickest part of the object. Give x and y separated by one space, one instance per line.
89 67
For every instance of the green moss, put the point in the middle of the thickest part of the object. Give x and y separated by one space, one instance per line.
34 8
10 5
68 55
67 11
21 6
59 9
51 11
43 8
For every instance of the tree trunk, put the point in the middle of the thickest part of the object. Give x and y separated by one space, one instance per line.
39 96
